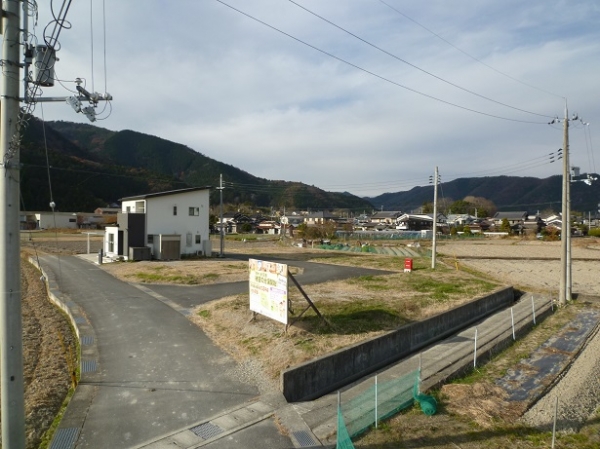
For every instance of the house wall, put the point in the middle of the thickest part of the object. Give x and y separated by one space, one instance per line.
160 218
49 220
111 232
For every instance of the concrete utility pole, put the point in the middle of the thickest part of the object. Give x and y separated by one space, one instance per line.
564 293
433 243
221 230
11 344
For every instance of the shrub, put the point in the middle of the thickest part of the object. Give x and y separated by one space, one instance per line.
594 232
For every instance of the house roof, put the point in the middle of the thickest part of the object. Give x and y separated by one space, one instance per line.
167 193
512 215
387 214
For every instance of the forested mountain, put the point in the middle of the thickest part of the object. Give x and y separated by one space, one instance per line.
91 167
507 192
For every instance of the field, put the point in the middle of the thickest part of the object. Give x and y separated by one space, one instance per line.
363 307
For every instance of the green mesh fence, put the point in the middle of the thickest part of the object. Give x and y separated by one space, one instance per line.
378 402
343 437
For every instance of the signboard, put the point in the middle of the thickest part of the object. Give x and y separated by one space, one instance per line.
268 289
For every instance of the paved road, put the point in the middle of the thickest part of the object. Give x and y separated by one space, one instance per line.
147 371
155 372
188 297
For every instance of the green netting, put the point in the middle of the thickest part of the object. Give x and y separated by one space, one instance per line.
359 413
343 437
428 403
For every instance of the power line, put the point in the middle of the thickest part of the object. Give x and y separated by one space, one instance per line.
331 55
469 55
414 66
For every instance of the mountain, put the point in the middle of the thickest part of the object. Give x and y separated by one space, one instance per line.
507 192
92 167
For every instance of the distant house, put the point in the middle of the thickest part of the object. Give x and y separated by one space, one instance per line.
419 222
317 218
164 225
47 220
513 217
461 219
385 217
107 210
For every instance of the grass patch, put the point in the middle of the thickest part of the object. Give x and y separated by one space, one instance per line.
150 277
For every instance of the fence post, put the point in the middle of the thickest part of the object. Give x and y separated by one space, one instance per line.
419 373
475 351
533 309
512 322
376 420
554 425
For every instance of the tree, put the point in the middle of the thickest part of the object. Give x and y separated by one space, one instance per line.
427 207
505 226
484 207
460 207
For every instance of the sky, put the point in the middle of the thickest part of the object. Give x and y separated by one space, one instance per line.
364 96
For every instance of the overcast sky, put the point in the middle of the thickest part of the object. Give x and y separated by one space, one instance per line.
200 73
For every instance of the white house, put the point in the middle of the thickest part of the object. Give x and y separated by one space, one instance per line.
167 225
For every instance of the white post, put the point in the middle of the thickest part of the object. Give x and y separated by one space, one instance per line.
512 323
554 424
376 420
88 242
533 309
11 340
475 351
419 374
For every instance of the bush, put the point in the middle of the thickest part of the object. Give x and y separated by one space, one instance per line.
594 232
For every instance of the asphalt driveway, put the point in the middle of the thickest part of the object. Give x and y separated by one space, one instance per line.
188 297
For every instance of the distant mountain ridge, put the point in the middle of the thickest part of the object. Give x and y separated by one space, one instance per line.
91 167
507 192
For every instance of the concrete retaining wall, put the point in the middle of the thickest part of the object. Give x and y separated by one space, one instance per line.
328 373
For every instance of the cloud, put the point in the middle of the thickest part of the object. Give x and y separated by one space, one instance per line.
204 75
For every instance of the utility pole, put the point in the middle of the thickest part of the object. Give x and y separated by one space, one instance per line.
433 244
221 215
11 344
564 293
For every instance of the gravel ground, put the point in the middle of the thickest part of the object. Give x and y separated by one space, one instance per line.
578 391
578 394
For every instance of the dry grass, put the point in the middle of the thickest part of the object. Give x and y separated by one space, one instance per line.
355 309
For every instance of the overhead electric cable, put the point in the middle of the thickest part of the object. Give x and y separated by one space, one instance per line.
92 40
416 67
376 75
104 38
469 55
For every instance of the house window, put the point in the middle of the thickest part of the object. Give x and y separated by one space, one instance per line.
174 210
198 239
111 243
150 238
128 209
194 211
